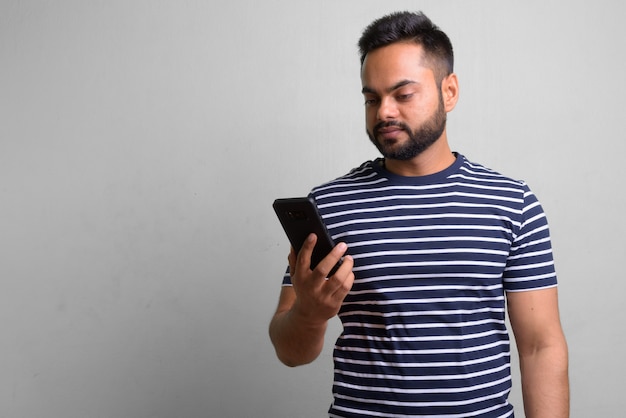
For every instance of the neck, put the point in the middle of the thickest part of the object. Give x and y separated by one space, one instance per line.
436 158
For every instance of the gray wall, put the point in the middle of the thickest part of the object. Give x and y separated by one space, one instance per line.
141 146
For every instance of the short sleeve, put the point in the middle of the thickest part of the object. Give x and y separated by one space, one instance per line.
287 278
530 264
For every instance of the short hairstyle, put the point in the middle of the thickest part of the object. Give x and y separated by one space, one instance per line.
410 27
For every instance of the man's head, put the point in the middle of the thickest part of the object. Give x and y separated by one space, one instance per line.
408 84
411 27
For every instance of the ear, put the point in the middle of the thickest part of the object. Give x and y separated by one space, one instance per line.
450 91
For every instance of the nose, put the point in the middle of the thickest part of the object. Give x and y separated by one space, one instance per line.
387 109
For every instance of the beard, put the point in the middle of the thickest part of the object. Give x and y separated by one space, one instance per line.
419 139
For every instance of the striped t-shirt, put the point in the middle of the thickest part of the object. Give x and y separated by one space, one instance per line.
424 325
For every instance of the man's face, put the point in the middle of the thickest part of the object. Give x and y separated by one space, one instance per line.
404 110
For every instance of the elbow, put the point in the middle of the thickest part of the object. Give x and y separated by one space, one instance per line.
291 359
290 362
552 355
294 344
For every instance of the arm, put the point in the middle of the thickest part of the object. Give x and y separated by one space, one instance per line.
534 317
299 324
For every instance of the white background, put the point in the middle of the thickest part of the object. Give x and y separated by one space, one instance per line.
143 142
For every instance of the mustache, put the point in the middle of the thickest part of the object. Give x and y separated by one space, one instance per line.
387 124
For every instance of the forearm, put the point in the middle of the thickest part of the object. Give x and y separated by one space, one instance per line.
296 340
545 382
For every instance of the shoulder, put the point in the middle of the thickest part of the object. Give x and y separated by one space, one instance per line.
477 172
480 177
366 173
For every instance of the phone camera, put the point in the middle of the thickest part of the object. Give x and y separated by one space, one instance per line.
297 215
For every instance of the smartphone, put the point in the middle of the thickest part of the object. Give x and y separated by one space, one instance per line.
299 217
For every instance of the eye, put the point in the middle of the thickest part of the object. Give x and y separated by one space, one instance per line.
370 101
404 97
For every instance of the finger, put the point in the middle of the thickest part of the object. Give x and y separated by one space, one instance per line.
346 266
303 260
326 265
343 277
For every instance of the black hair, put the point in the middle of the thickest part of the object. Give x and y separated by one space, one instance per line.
410 27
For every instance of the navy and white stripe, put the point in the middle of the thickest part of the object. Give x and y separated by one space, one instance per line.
424 324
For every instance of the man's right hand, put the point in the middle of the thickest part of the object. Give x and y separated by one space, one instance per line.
319 297
297 328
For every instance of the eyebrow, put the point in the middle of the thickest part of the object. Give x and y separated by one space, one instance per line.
396 86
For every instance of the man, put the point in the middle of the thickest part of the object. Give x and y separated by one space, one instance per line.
434 247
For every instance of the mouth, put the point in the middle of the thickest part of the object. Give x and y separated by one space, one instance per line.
389 129
388 133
